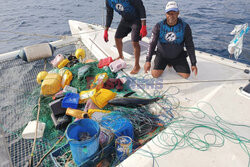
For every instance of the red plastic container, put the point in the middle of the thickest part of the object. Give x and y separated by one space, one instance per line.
105 62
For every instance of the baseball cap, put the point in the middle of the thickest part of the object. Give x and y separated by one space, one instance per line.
171 6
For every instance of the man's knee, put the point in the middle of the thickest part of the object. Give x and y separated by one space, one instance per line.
184 75
118 39
156 73
136 44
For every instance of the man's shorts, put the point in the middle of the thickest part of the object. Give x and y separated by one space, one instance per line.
125 27
180 65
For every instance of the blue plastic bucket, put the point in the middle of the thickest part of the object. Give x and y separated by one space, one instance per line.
82 150
123 146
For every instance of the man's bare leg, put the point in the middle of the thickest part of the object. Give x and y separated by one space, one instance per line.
184 75
118 42
156 73
137 50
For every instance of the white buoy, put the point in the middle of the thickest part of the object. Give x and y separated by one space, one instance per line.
36 52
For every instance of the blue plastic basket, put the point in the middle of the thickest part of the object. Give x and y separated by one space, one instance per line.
70 100
82 150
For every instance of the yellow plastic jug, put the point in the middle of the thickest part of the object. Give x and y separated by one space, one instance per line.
66 78
63 63
51 84
102 97
85 95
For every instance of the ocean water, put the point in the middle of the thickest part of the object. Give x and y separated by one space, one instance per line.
211 21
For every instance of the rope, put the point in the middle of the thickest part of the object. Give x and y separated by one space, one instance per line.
184 131
37 119
44 156
68 160
34 143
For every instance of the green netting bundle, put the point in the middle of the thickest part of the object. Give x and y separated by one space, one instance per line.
93 71
51 133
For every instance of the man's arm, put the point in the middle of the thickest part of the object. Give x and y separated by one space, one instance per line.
190 45
153 42
109 15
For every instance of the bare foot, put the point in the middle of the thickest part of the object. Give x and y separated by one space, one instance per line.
120 57
135 70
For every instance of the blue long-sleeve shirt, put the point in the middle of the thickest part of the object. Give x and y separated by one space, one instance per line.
130 10
171 50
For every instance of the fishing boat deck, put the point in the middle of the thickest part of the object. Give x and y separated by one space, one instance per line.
214 91
211 121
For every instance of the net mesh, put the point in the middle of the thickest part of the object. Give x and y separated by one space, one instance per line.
19 95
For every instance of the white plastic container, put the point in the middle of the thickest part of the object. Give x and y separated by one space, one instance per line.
57 60
117 65
30 130
68 88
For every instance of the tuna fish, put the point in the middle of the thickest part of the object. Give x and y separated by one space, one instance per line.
132 102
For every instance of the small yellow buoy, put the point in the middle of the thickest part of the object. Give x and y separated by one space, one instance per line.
80 53
40 76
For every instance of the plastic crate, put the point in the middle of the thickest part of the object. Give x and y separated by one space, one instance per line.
92 161
70 100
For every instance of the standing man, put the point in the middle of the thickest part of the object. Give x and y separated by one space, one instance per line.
170 35
133 20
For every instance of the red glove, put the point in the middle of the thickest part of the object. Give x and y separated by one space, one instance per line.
105 36
143 31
